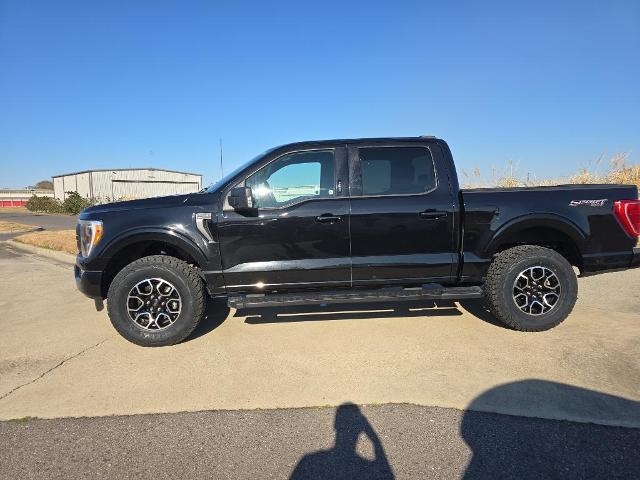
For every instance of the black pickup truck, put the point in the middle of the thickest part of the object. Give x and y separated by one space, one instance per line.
351 221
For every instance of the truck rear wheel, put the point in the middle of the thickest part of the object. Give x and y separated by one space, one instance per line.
530 288
156 301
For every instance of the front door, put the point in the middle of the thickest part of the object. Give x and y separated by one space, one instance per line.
298 234
402 215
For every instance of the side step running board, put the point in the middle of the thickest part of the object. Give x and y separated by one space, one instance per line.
427 292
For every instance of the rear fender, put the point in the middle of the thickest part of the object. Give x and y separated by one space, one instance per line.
509 232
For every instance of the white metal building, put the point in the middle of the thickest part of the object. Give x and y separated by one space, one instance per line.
125 184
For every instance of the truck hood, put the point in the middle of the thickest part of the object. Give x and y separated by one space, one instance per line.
154 202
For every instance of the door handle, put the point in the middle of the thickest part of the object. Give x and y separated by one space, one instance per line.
432 215
328 218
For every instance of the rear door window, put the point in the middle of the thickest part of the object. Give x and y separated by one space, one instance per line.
396 170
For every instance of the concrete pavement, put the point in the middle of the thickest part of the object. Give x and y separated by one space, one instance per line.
61 358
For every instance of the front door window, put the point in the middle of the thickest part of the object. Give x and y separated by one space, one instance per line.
294 178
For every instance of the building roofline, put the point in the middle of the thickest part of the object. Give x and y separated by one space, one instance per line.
25 190
124 169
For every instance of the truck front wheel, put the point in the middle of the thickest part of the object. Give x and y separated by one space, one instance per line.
156 301
530 288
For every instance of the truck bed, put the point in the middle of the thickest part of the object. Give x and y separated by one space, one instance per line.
576 217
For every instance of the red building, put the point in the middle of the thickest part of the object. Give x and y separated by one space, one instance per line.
18 198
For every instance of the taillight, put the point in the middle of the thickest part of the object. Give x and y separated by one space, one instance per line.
628 214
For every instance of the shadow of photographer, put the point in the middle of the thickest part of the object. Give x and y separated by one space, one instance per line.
343 460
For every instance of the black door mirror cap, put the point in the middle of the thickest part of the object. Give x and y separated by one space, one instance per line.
241 198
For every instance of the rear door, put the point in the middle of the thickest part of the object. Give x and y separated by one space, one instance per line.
402 215
299 235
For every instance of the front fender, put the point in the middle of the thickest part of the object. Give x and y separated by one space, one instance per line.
165 235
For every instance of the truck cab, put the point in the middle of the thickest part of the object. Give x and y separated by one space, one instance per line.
341 214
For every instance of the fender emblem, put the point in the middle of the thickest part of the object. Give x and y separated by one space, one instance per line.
589 203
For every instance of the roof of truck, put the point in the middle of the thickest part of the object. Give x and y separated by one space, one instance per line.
367 139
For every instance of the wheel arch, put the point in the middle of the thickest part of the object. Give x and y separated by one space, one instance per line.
546 230
130 247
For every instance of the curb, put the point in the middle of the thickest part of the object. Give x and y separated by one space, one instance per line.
44 252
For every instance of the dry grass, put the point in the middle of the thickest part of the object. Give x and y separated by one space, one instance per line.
14 209
61 240
616 170
623 173
15 227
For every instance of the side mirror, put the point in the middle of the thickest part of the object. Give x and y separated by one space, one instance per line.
241 198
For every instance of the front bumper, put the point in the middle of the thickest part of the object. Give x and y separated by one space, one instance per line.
635 260
88 282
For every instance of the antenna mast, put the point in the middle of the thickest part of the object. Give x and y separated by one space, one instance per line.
221 168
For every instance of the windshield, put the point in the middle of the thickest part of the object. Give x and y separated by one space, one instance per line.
216 185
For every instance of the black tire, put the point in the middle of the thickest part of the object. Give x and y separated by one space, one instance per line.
501 277
181 275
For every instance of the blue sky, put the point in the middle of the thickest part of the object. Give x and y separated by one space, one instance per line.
550 85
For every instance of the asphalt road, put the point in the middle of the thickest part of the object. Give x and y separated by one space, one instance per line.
48 222
371 442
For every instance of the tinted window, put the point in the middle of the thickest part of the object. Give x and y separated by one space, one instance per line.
293 178
396 170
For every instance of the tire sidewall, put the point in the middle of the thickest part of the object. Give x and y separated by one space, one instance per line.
568 295
119 315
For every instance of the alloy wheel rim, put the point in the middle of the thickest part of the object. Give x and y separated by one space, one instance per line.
154 304
536 290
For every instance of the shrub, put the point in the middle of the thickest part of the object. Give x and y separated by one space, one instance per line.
44 204
74 203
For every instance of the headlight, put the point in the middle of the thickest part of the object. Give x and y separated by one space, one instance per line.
90 233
